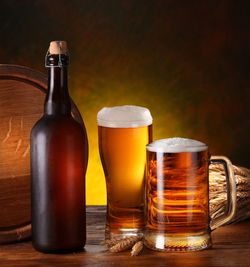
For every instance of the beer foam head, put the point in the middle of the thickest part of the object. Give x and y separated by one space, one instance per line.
176 145
124 117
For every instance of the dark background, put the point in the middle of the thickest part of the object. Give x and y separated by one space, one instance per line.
187 61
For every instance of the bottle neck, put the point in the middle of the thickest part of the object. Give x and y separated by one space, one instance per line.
57 101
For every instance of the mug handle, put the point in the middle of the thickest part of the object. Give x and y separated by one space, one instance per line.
231 192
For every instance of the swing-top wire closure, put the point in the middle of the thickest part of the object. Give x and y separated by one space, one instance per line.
60 64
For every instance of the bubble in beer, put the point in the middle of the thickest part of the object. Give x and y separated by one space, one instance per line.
176 145
124 117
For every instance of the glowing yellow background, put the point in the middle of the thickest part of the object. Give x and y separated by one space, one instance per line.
187 62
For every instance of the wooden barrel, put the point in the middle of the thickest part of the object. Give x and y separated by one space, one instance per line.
22 92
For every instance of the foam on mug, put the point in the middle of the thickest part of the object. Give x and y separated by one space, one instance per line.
176 145
124 117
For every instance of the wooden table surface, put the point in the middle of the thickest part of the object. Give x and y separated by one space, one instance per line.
231 247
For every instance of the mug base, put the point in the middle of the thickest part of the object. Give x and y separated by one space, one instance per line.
122 233
176 242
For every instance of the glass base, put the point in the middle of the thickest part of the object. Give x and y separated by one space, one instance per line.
122 232
176 242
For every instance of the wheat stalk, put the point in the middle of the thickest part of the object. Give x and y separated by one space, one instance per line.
137 248
218 195
123 245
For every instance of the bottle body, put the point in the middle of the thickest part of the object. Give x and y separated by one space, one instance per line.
58 166
59 155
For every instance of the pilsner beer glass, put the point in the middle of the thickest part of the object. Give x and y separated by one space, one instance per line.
177 188
124 132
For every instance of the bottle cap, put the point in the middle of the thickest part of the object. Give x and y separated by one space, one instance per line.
57 55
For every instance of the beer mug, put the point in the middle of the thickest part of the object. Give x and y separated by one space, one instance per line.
177 190
123 133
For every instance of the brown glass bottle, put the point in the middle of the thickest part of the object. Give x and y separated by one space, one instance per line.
59 155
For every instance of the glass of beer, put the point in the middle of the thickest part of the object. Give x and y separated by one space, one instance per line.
124 132
177 188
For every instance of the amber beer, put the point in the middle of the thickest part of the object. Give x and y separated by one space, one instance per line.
124 133
177 190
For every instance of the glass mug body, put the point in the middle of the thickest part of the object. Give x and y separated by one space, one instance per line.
177 198
122 152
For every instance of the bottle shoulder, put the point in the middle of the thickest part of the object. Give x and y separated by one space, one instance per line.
63 124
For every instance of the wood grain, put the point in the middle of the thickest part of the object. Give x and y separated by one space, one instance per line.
22 92
231 248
